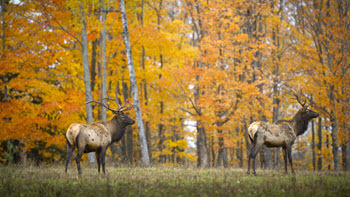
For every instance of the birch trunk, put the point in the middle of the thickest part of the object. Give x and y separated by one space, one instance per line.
84 51
313 145
133 84
104 64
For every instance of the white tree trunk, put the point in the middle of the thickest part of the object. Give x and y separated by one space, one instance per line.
85 54
142 137
104 63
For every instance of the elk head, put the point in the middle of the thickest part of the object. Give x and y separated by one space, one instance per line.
120 112
304 113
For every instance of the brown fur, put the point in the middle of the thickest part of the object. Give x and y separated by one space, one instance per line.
280 134
95 137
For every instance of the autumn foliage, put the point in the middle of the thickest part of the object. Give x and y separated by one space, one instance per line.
205 70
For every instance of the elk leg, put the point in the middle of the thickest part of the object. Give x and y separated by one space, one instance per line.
103 159
289 150
78 158
254 153
98 153
70 149
248 172
285 159
250 156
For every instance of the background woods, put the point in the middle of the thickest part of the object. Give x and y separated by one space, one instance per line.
204 71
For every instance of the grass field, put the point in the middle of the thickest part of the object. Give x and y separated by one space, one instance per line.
158 181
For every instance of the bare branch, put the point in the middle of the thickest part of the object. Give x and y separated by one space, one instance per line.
192 114
59 24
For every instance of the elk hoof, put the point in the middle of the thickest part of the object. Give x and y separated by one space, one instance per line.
248 172
254 173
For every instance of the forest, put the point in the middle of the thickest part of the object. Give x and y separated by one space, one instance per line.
204 71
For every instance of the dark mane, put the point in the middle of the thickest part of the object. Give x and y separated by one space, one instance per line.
282 121
119 129
300 124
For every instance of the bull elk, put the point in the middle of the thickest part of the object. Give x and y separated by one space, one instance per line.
97 136
282 133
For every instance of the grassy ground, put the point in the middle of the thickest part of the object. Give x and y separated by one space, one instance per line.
52 181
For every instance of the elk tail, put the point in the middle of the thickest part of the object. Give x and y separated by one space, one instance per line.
68 143
77 141
252 131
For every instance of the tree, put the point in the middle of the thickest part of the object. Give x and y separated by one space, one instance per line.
142 136
86 65
323 24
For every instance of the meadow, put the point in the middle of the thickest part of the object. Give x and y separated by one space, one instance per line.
167 181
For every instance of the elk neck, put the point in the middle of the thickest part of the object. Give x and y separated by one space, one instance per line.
116 128
299 124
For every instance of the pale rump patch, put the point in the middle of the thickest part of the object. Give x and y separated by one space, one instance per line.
73 132
253 128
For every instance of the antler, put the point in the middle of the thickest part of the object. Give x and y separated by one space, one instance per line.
101 103
120 109
128 108
298 96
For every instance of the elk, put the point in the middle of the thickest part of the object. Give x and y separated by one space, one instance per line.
282 133
97 136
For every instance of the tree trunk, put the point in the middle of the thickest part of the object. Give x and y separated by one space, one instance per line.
133 84
239 152
160 125
122 146
93 64
222 155
3 36
22 154
327 145
276 151
347 156
129 136
148 128
209 149
104 64
94 57
85 54
319 144
313 145
161 103
332 99
335 145
345 151
202 151
212 153
276 41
